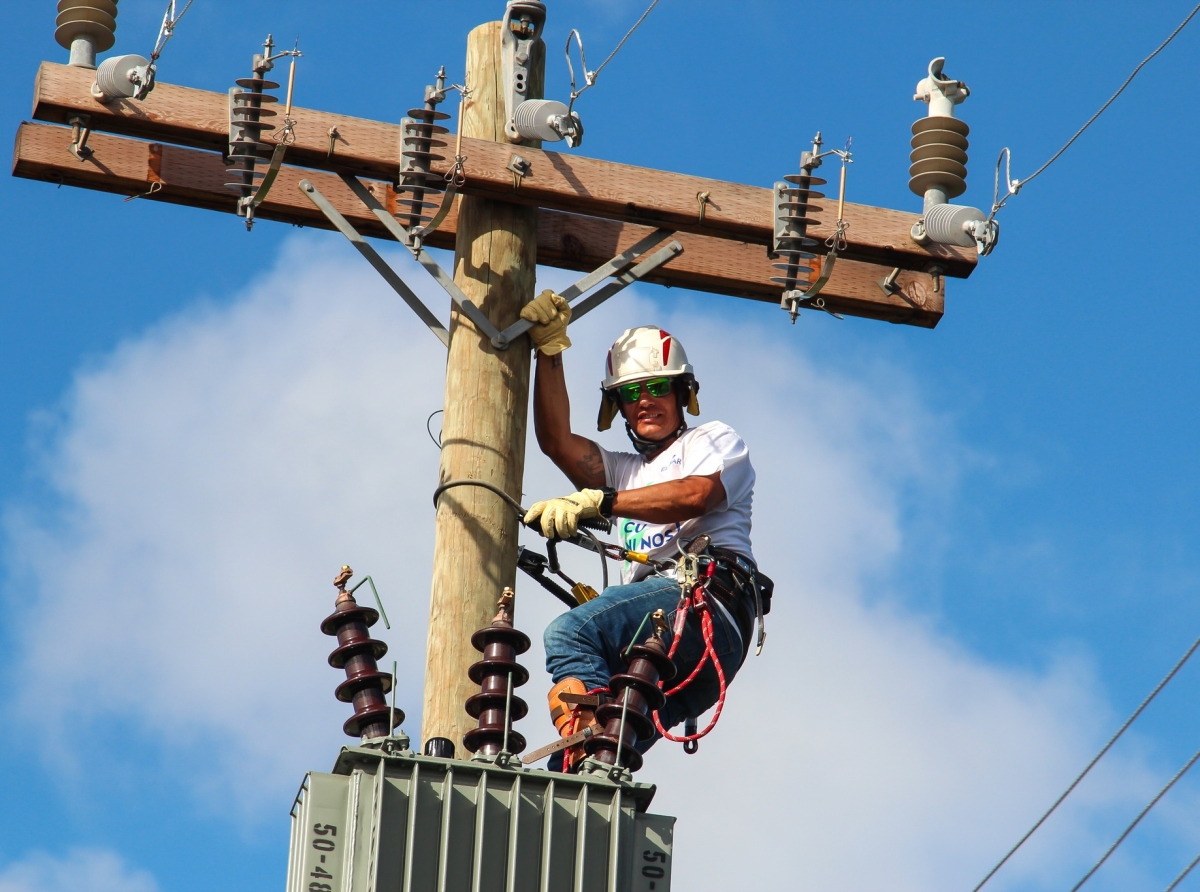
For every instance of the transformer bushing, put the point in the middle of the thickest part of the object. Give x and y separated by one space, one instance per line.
636 694
497 675
358 653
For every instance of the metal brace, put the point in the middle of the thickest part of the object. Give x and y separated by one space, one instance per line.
622 268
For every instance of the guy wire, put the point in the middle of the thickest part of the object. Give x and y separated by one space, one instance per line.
1067 792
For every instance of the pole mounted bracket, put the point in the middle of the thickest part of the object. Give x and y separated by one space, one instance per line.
624 268
520 29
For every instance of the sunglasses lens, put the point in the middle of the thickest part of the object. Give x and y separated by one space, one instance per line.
655 387
630 392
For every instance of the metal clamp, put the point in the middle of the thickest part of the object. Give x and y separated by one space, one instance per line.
621 268
81 129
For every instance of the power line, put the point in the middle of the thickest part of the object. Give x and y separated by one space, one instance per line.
589 77
1014 186
1179 879
1153 802
628 34
1057 802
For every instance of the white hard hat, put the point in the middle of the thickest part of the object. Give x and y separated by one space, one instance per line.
645 352
638 354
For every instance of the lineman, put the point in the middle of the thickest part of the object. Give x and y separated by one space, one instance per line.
680 483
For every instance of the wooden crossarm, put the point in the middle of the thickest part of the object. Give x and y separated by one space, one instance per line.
187 176
558 181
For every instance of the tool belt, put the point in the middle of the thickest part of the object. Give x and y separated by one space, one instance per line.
738 586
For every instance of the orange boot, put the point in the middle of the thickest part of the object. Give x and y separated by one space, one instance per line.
570 717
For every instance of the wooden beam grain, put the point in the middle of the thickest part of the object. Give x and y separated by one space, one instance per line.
559 181
186 176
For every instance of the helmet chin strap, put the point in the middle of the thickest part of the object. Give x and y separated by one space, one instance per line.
645 446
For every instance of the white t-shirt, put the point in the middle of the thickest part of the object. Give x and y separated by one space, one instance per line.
698 452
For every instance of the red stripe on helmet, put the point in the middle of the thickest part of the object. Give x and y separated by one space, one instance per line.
666 347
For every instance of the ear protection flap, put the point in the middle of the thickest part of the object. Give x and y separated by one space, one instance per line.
608 411
693 404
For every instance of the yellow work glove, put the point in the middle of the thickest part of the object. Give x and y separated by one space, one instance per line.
560 517
550 314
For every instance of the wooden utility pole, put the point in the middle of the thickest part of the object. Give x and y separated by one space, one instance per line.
487 399
563 209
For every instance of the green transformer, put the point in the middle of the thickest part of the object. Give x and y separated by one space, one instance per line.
390 820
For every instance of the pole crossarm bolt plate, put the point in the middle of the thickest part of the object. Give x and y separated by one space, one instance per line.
623 268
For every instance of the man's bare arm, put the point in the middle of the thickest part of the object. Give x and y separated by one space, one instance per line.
577 457
671 502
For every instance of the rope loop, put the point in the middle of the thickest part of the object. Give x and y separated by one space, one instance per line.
695 599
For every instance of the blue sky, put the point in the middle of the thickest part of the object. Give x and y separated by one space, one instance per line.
1001 511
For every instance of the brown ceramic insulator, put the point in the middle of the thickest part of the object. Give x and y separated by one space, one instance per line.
636 694
500 644
357 653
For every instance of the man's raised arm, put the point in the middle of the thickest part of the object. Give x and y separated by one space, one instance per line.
577 457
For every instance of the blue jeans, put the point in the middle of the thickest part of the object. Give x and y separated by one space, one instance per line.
586 643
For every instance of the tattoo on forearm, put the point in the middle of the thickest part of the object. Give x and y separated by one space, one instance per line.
591 465
556 361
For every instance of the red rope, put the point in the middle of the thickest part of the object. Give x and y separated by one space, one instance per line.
697 601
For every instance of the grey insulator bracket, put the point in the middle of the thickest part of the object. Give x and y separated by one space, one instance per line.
623 268
520 29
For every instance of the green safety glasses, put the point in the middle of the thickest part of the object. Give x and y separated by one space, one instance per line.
655 387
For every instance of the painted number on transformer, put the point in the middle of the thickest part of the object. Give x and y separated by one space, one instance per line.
324 841
652 867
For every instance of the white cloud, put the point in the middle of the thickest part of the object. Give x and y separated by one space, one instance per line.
212 474
93 870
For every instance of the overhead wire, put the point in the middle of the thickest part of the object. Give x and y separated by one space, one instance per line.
589 77
1014 186
1145 811
1075 783
628 34
1179 879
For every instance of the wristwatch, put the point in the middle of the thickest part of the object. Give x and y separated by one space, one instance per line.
606 503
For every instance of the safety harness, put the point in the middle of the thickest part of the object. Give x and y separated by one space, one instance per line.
698 571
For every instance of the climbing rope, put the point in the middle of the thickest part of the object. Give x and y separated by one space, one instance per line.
694 598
